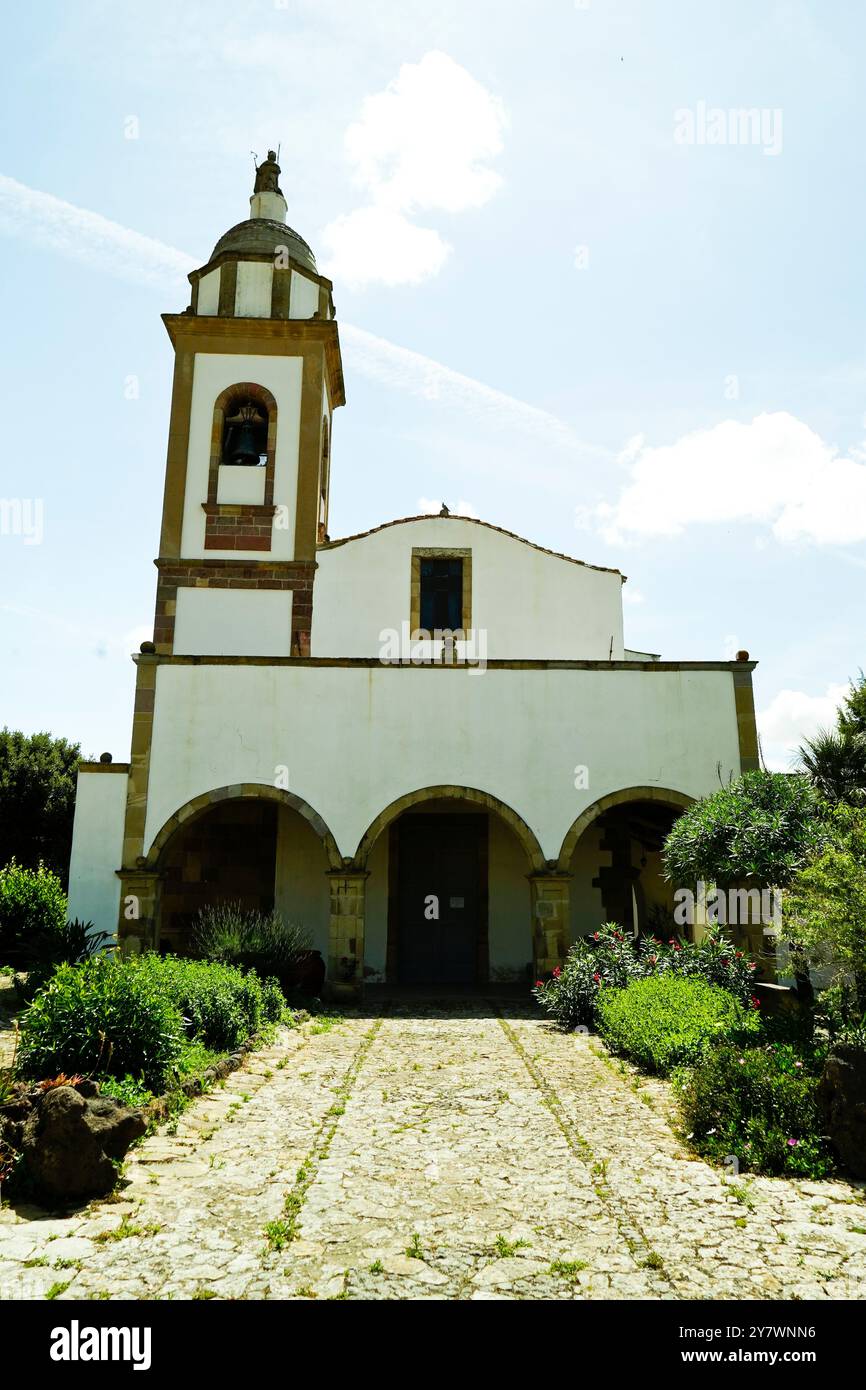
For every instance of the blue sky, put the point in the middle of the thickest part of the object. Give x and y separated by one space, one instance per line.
506 197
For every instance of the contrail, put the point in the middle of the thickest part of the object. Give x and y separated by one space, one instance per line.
108 246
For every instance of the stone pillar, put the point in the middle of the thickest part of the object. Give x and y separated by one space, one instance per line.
346 939
550 921
138 920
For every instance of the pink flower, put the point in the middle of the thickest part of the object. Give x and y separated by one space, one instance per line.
539 984
597 978
557 971
798 1064
792 1143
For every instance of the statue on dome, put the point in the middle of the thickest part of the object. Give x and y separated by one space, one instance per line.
268 175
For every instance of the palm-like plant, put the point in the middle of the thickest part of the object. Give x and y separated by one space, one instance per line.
835 761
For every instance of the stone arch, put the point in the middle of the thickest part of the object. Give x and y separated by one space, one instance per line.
524 833
261 791
665 795
249 390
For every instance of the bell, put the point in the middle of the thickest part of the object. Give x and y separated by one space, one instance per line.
242 445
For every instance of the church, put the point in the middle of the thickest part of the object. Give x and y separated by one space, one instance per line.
426 743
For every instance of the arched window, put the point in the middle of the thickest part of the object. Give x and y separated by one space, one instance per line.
244 433
324 470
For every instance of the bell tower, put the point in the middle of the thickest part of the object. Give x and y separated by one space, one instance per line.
257 377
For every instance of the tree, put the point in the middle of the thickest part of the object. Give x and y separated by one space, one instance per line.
763 825
836 763
852 715
37 799
825 905
835 759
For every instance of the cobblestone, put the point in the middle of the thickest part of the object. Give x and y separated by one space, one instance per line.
453 1152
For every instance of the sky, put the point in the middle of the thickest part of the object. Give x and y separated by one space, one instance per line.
579 297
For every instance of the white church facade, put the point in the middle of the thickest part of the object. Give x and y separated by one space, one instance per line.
434 810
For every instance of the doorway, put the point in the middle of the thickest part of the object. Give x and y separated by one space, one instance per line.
438 903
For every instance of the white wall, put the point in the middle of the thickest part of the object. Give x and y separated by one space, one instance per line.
531 603
212 374
357 738
253 290
238 482
233 622
303 297
209 294
97 848
301 891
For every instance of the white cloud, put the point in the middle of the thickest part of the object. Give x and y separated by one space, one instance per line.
792 716
89 238
422 144
378 245
632 596
775 472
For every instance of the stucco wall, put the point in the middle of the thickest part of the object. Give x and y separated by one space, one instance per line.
357 738
97 848
237 622
532 604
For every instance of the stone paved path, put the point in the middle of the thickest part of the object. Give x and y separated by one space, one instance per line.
458 1152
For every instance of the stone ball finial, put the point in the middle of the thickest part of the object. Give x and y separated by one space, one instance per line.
105 757
147 648
742 656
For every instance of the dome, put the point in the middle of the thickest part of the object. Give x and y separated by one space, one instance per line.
260 236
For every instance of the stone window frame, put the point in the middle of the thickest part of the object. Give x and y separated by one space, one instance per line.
427 552
250 390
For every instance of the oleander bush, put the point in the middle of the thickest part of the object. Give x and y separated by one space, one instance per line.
606 958
611 960
664 1021
759 1105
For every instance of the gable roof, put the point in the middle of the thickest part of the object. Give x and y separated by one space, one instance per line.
475 521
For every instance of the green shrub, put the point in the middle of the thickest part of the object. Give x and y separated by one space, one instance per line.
250 940
714 959
664 1021
220 1005
759 1105
104 1016
32 904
